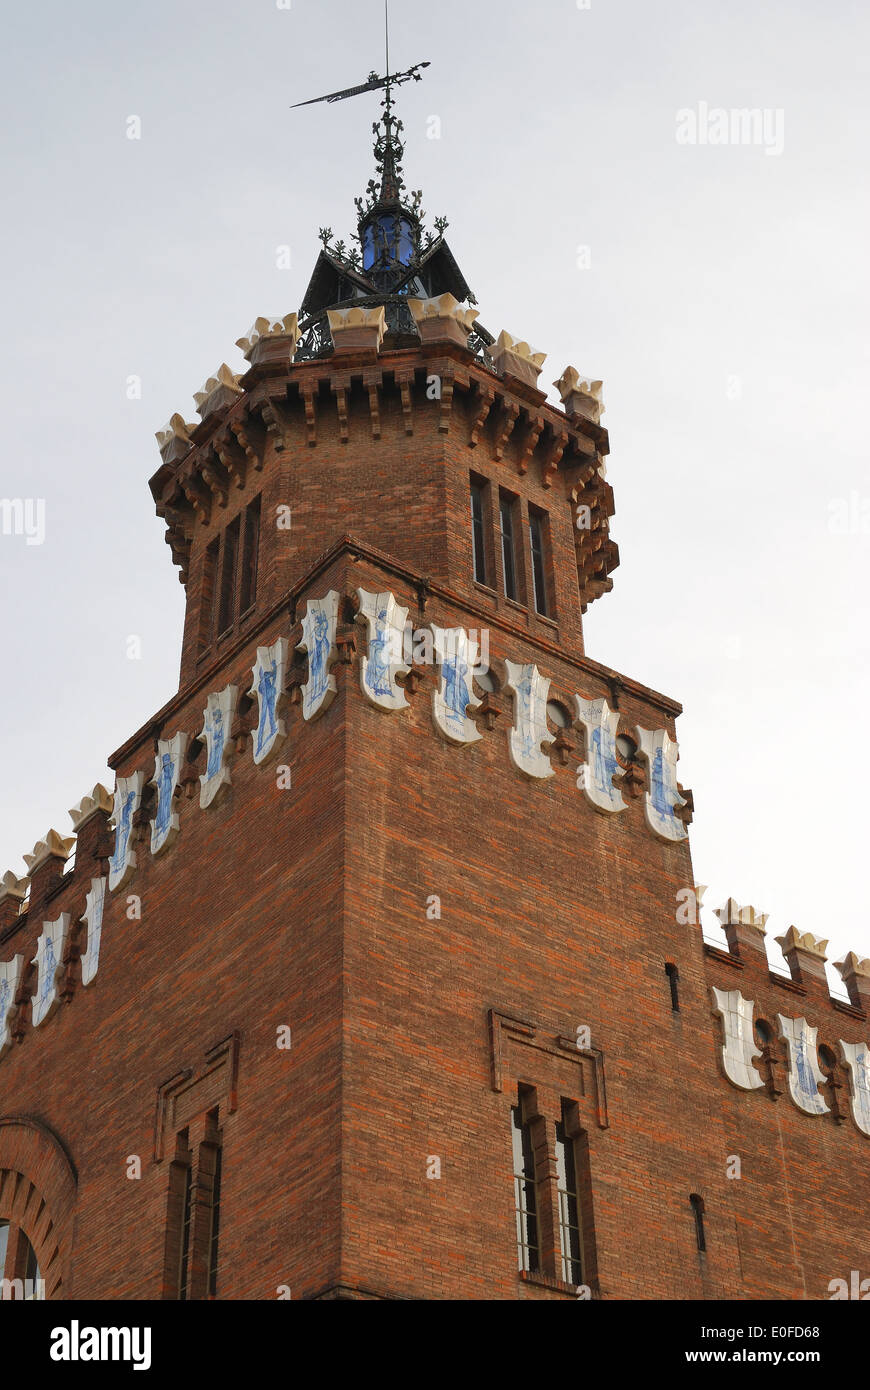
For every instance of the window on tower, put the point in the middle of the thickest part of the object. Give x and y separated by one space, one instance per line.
569 1207
214 1229
206 597
479 511
507 520
538 541
673 975
250 555
228 577
525 1192
386 240
228 587
698 1213
186 1218
19 1266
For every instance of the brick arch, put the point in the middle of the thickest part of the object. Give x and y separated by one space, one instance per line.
38 1186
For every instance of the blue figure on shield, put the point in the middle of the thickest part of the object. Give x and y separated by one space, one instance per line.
378 665
268 695
164 796
50 967
319 655
123 830
456 693
657 785
524 719
805 1076
215 756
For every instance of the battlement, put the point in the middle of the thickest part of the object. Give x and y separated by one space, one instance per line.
360 388
790 1034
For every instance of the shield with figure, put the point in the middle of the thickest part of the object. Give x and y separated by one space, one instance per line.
269 676
856 1056
319 631
167 773
456 655
10 978
804 1074
128 798
385 622
218 719
530 733
660 802
93 917
738 1045
600 725
49 963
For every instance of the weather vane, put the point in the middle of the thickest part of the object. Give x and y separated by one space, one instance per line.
374 83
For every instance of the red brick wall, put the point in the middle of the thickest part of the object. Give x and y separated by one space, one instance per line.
307 907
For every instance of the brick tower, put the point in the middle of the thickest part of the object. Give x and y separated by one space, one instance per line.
380 975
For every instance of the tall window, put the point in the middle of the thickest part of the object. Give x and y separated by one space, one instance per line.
569 1208
24 1275
525 1193
477 532
228 577
206 599
250 552
673 975
215 1224
538 543
186 1219
506 508
698 1213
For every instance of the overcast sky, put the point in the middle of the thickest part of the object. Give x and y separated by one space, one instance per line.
719 289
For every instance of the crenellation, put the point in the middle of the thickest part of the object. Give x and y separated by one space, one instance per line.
805 958
855 974
510 357
580 395
271 340
175 439
13 893
219 391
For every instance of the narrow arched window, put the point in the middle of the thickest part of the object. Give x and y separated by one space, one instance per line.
525 1192
570 1245
698 1212
673 975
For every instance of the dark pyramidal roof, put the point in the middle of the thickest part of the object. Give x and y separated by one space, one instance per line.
390 258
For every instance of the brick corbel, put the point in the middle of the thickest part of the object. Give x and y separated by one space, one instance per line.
372 381
404 379
308 392
556 447
277 421
215 472
536 426
510 415
486 398
233 456
340 385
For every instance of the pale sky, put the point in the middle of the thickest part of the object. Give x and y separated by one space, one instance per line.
723 300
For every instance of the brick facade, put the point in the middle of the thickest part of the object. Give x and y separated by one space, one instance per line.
416 1025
